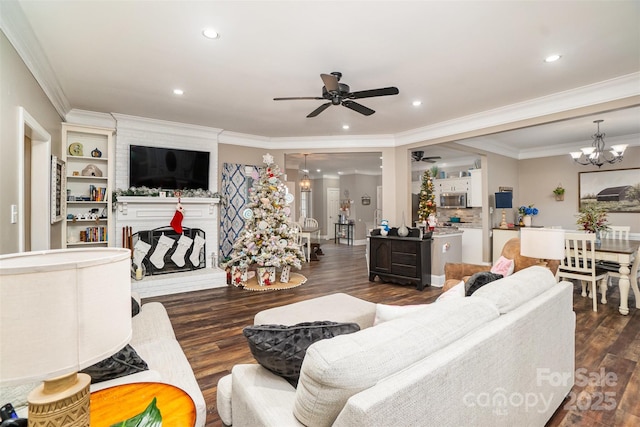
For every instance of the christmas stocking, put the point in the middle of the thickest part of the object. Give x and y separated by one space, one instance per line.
198 244
140 250
184 243
157 257
176 222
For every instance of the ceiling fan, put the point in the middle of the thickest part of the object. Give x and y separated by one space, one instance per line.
339 94
418 156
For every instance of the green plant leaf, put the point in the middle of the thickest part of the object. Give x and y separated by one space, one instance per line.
150 417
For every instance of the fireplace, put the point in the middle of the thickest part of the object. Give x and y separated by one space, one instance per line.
148 219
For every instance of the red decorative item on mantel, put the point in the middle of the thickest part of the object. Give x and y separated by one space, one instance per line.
178 216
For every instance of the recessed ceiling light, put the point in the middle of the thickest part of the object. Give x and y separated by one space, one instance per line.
318 170
339 172
552 58
210 33
345 127
178 92
416 103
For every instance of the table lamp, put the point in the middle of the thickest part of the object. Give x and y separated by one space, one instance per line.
542 243
62 311
504 201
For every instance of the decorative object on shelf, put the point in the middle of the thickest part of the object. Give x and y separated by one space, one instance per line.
384 227
559 193
76 149
305 182
366 199
427 197
596 154
593 219
92 170
403 231
96 153
527 213
504 200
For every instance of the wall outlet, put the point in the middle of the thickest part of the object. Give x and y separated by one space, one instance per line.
14 214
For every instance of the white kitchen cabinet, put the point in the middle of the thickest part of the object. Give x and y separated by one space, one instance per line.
472 245
475 193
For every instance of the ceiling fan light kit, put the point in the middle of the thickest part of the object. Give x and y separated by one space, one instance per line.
596 155
340 94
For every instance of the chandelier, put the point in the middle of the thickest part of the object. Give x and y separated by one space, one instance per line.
596 154
305 182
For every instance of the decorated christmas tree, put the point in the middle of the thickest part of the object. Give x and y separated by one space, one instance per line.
267 238
427 199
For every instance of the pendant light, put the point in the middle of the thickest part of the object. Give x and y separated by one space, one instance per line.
596 154
305 182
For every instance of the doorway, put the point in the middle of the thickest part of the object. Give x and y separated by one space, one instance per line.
33 182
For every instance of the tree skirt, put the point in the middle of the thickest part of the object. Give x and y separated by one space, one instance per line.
295 280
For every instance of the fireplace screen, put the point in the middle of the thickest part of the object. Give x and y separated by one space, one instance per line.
166 251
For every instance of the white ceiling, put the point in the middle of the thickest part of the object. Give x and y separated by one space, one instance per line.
460 58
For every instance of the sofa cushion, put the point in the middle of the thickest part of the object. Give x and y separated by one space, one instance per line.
281 349
336 369
135 307
478 280
513 291
125 362
385 312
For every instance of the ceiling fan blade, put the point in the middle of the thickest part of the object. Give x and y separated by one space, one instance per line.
358 108
319 110
374 92
330 82
431 159
295 98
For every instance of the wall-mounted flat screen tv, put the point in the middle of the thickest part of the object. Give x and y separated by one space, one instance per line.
168 168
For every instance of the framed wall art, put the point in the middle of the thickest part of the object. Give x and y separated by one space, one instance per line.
58 188
615 190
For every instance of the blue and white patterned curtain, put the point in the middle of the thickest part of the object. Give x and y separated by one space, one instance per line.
236 182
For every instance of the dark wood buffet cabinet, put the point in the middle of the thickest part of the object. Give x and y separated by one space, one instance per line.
402 260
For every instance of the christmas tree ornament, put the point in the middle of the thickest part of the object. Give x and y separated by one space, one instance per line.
164 244
179 255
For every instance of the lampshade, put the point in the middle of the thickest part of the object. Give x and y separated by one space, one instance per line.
504 200
62 311
542 243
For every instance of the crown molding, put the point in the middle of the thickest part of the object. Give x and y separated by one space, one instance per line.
20 34
598 93
126 122
90 118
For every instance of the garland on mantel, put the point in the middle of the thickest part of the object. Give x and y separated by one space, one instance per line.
155 192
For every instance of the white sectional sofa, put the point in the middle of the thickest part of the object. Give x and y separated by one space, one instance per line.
489 359
155 342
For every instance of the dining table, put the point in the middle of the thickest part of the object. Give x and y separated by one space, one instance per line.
625 253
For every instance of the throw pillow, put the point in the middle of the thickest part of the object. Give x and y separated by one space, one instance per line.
281 349
478 280
456 291
135 307
503 266
124 362
384 312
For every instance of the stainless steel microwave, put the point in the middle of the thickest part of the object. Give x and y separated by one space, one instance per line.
453 200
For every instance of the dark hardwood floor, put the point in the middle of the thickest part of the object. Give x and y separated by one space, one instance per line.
209 325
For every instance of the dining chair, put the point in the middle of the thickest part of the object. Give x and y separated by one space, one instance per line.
312 223
617 232
580 263
296 232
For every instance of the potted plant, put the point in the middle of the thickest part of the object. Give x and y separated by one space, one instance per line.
559 192
526 214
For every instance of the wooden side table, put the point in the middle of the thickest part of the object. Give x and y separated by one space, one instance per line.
118 403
